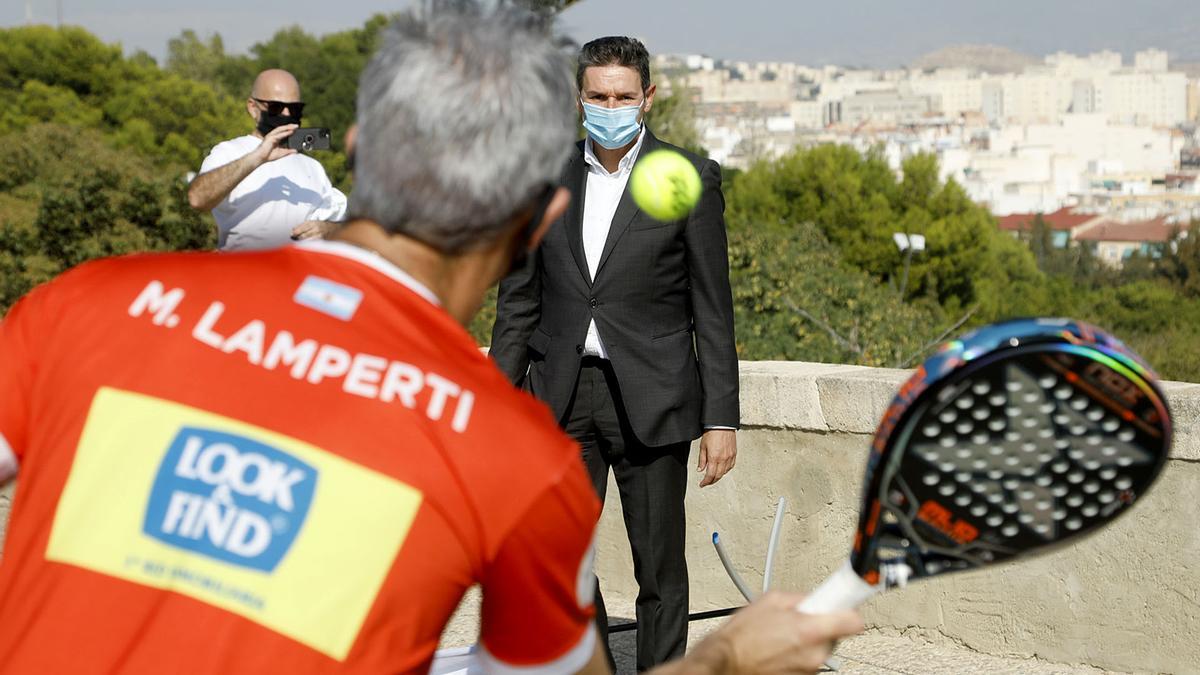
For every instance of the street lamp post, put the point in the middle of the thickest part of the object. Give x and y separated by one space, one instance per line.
908 244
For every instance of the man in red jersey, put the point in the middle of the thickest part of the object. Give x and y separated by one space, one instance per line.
297 460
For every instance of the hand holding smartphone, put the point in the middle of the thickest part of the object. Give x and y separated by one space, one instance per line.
307 139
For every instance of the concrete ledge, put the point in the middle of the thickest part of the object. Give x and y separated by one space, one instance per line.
785 394
1184 400
1125 600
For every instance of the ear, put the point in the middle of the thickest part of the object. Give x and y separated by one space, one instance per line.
650 91
252 109
558 206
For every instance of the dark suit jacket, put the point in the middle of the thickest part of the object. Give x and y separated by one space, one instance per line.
661 301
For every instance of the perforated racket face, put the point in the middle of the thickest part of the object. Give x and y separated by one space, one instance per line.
1021 437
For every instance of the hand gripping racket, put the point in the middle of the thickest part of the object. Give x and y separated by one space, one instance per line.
1016 439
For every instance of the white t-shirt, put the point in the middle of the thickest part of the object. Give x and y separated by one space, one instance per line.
277 196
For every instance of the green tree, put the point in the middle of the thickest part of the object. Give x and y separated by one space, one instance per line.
39 102
673 119
71 196
184 117
553 6
190 57
794 299
858 204
68 77
1181 263
69 57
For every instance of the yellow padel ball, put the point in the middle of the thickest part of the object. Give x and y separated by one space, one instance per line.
665 185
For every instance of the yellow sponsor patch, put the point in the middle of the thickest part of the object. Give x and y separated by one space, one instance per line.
273 529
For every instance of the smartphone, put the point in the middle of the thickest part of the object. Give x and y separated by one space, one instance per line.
307 139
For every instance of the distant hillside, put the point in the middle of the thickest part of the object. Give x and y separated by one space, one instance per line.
988 58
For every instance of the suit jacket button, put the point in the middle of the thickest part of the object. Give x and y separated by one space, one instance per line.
593 303
578 349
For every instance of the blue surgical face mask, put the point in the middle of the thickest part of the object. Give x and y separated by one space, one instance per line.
611 127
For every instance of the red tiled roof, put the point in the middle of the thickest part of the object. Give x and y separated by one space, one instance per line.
1062 219
1156 230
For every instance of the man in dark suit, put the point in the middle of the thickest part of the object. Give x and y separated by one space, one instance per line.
624 325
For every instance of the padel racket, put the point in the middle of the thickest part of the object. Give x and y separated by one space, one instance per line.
1017 438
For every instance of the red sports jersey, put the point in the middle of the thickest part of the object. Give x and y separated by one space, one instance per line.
288 461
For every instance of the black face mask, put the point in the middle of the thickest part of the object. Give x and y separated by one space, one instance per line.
268 123
521 257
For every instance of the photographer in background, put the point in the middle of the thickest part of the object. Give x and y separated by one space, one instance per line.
261 193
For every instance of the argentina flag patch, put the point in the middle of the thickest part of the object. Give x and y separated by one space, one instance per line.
328 297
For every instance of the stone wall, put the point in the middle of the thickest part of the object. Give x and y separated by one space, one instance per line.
1126 599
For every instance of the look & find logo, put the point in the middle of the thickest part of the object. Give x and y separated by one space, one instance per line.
230 498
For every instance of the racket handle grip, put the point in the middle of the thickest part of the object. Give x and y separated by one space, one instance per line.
844 589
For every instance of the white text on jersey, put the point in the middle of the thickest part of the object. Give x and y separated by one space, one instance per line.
364 375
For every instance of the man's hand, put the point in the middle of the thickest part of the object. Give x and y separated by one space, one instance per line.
210 188
270 150
718 454
314 229
769 636
772 636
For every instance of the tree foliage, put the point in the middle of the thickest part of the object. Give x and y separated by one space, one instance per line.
68 77
794 299
968 266
94 147
673 119
72 197
858 203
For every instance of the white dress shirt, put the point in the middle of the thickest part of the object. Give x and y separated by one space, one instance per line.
600 200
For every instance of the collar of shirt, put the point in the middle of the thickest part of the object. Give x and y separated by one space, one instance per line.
626 163
373 260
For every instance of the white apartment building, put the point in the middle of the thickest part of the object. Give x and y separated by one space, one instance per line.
1147 98
1071 130
1143 93
957 90
1146 94
720 87
808 114
1037 95
1041 167
1151 61
1066 64
880 108
1094 138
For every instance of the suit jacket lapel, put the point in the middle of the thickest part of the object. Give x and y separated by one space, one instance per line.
575 180
626 208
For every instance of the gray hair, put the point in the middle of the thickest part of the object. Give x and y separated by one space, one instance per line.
464 118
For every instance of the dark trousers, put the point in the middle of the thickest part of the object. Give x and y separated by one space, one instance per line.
652 482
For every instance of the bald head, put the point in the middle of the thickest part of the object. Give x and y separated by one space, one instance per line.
276 85
271 88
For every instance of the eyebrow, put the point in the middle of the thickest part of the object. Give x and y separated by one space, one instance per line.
593 94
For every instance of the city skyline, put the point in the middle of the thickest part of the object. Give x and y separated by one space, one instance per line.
870 33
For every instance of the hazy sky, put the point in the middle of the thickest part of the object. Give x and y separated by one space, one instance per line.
866 32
